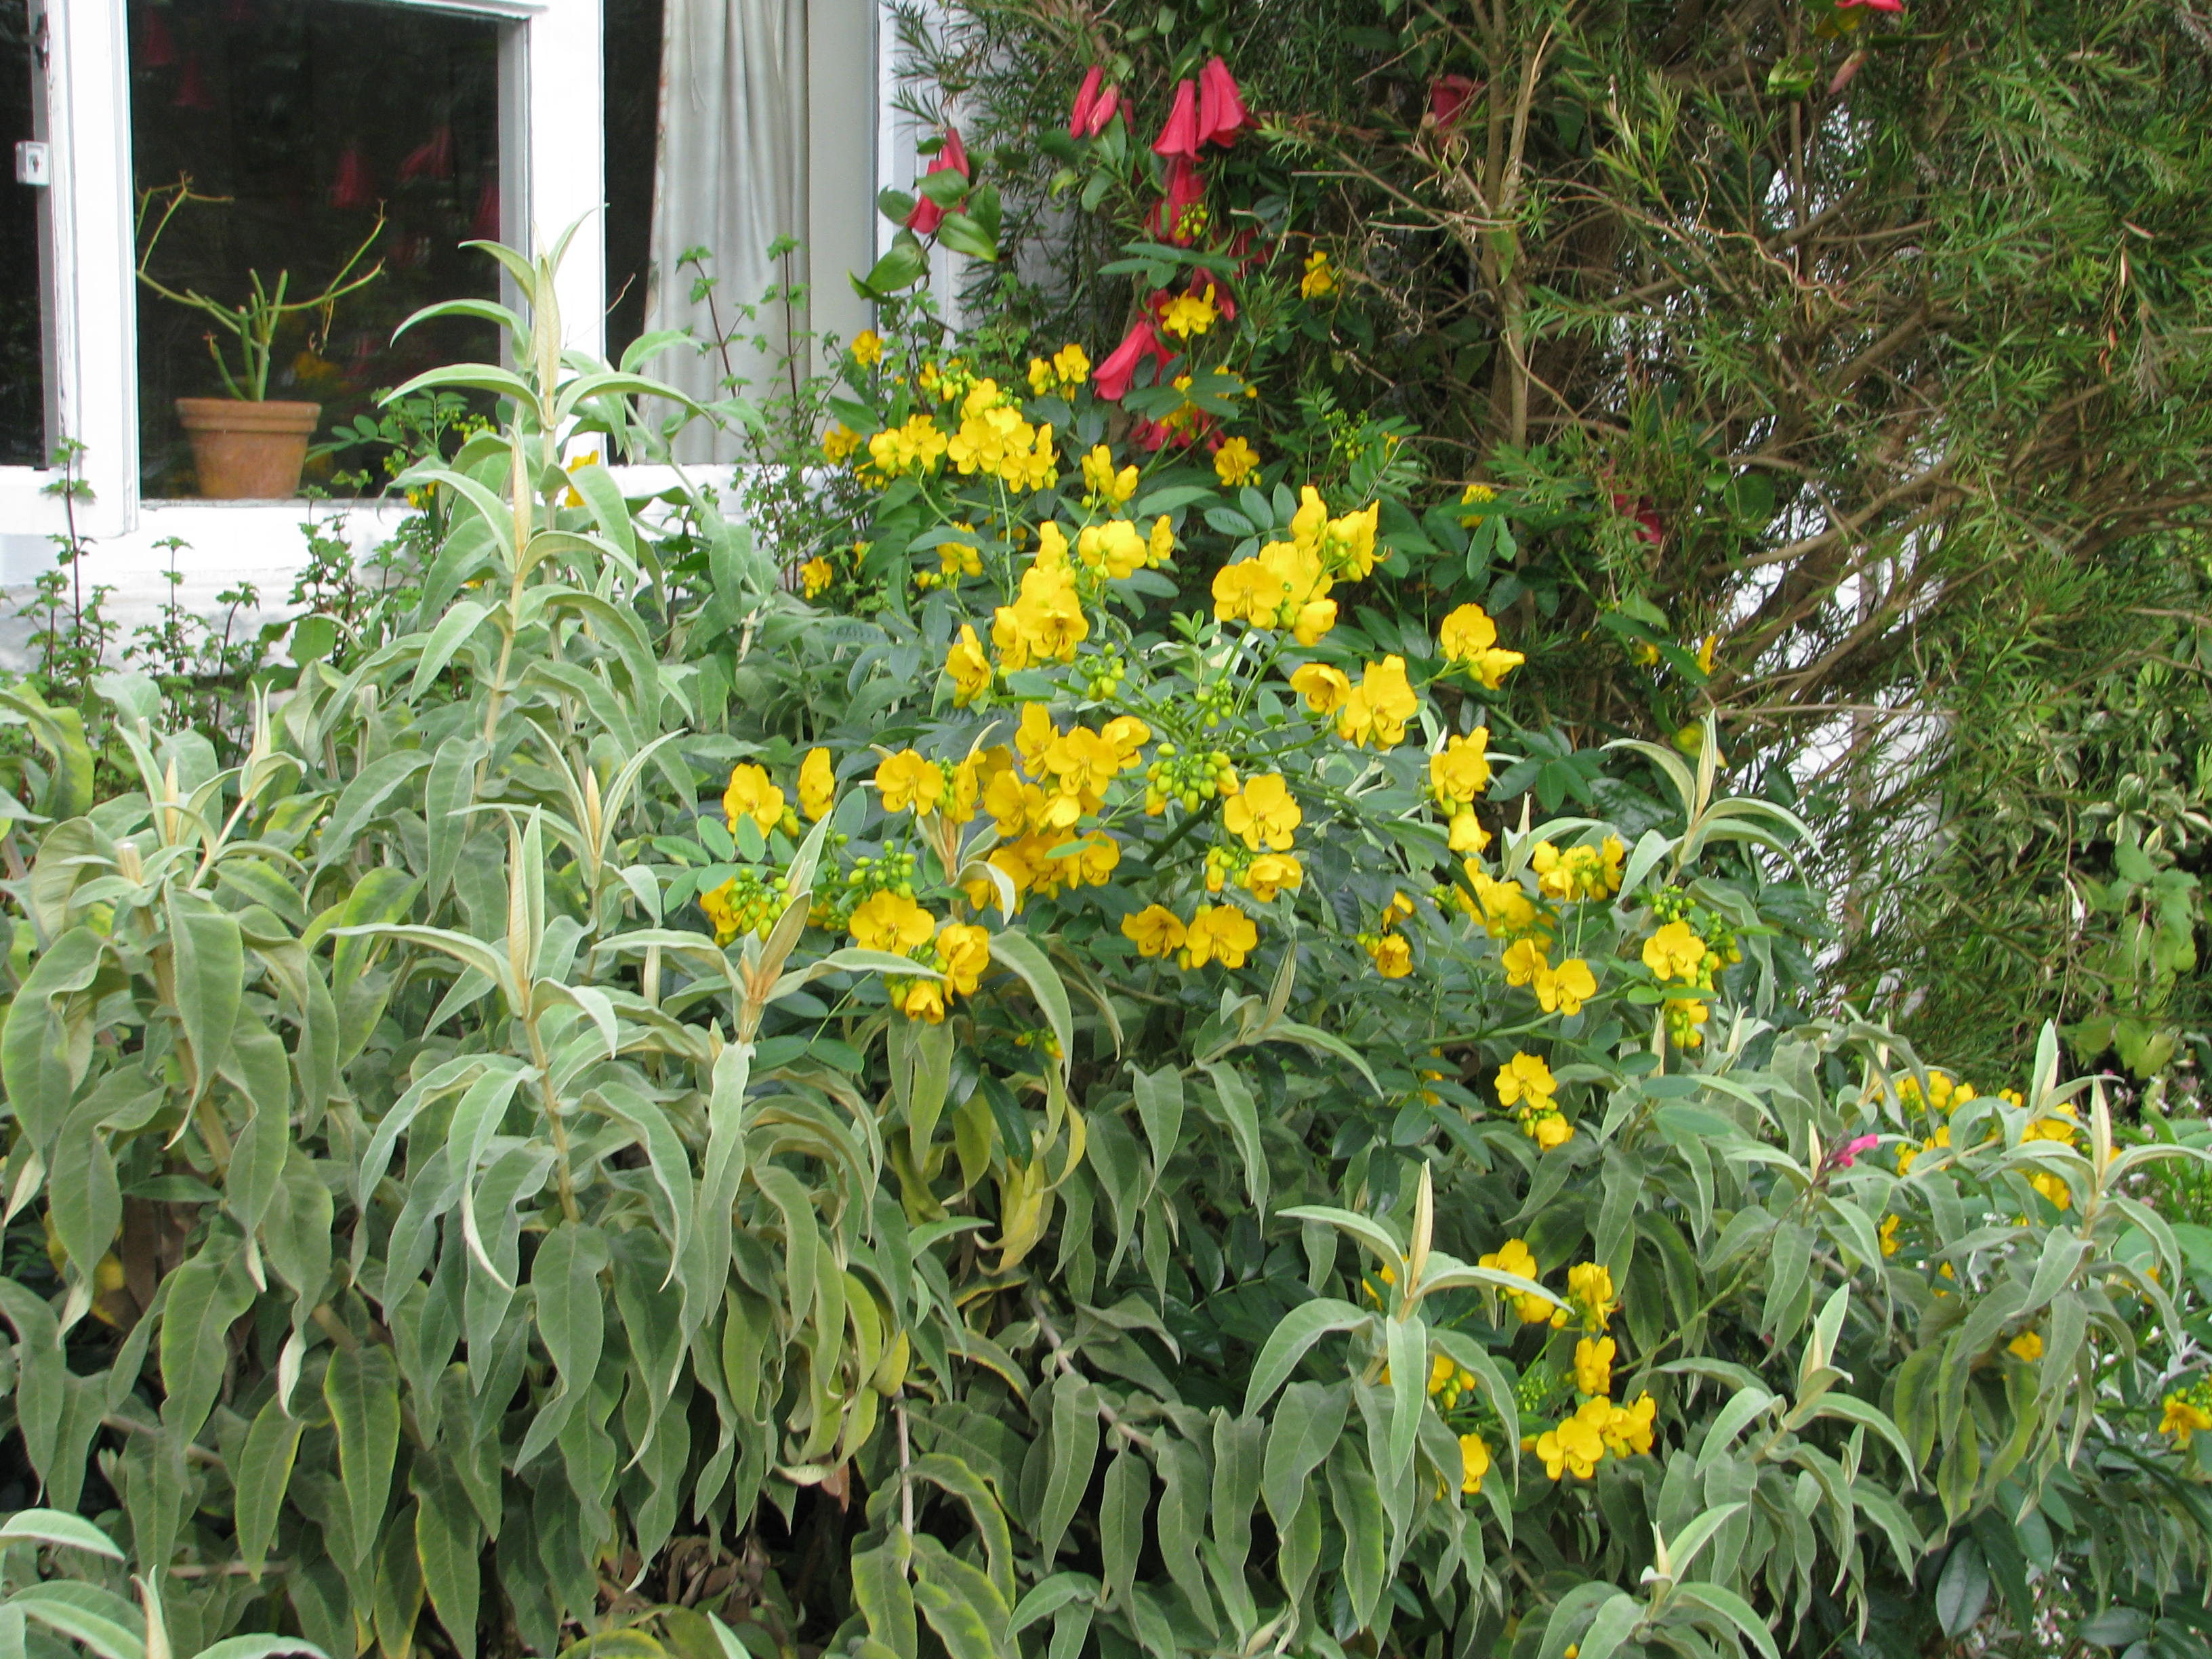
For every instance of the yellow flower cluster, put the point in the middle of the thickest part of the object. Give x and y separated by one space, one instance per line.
915 447
995 441
1579 872
1286 585
744 904
1504 908
1188 315
867 348
1215 933
839 442
1101 483
1514 1257
1046 620
962 953
1459 776
1391 952
1945 1095
1561 990
1578 1445
1070 367
816 575
1376 709
1468 639
1525 1083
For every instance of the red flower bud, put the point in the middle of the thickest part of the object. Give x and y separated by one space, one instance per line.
1102 112
1086 99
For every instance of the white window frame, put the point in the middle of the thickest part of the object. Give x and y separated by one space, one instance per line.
552 173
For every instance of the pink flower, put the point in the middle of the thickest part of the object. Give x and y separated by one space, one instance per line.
1649 530
1109 102
1179 137
1184 192
1448 96
1086 99
1221 112
1848 1154
1112 378
952 157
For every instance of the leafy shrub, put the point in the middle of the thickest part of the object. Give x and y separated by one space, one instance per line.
1041 1119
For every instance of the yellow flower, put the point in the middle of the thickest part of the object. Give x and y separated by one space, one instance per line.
1046 620
1114 548
1590 1287
1155 930
1319 279
1549 1130
839 442
1188 315
1459 772
1676 952
1072 364
817 784
1564 990
1325 688
1574 1447
1628 1429
1467 834
1102 481
956 560
815 574
2027 1346
906 780
867 348
1040 377
1393 956
887 922
1683 1016
969 668
2183 1418
1468 638
1525 1077
1235 463
1473 1463
1270 873
1475 495
1523 960
1889 1235
751 795
1504 908
1705 653
2054 1188
1218 932
922 999
963 953
1161 542
1593 1364
1513 1256
1379 706
1264 811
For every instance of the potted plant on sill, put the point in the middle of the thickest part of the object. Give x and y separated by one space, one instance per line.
247 445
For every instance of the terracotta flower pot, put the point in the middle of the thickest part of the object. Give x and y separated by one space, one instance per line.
246 451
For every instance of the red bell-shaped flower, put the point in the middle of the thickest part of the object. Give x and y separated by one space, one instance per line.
1221 112
157 47
1179 137
1447 98
431 159
1111 380
952 157
355 186
1174 217
1086 99
1109 102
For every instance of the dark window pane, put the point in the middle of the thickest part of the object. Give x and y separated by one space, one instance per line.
22 356
307 116
633 131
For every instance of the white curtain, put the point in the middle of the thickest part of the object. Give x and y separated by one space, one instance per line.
731 177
